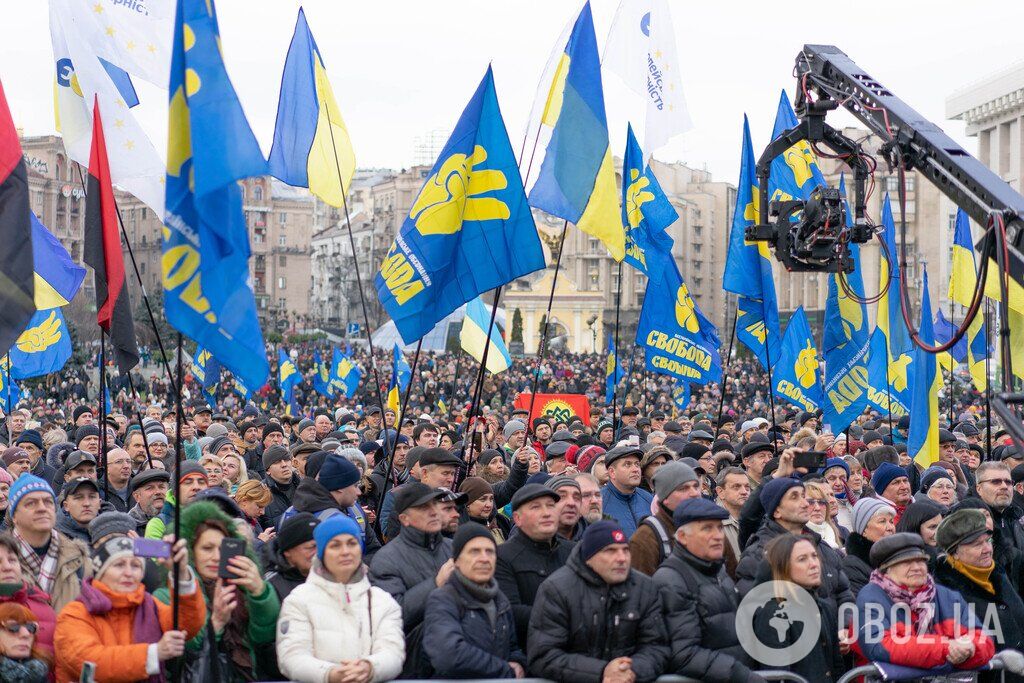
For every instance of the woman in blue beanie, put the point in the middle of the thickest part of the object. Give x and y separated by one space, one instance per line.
336 621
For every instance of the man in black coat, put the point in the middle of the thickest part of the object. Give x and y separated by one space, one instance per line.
597 619
786 512
700 599
969 568
288 557
533 554
282 480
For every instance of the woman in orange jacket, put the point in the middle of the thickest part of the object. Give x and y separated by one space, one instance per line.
118 626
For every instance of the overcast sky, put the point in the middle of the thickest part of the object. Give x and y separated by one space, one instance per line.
402 68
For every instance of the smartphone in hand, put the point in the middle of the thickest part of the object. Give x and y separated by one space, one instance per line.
229 547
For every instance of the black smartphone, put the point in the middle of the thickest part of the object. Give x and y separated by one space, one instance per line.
229 547
478 442
149 547
810 460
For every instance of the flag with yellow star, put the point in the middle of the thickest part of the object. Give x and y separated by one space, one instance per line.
97 47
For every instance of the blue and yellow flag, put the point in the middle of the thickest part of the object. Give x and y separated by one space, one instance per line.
681 394
442 407
321 376
210 148
890 355
748 267
474 338
963 279
44 346
58 278
240 389
470 229
206 369
923 439
108 405
401 373
944 331
676 337
288 378
646 211
613 371
846 341
796 376
10 392
345 375
794 173
577 177
311 145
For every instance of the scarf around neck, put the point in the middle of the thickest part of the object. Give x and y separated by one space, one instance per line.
921 601
23 670
979 575
145 625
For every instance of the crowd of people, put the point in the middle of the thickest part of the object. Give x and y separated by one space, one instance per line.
347 545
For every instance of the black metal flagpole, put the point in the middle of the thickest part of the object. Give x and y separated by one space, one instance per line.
615 392
725 375
103 414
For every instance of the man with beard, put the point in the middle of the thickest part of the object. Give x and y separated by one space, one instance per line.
148 490
592 506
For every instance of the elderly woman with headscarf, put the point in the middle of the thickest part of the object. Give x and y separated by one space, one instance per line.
906 618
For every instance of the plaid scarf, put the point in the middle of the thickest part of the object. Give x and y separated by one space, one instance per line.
44 570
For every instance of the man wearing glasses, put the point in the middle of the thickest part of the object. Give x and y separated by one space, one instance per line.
995 488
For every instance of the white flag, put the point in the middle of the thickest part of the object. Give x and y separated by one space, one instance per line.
641 50
79 41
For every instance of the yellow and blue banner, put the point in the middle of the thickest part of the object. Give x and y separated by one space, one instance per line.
613 371
57 277
206 369
890 355
797 375
962 282
846 341
288 378
474 338
470 229
681 394
10 392
311 145
676 337
944 331
108 405
794 173
577 176
401 374
646 211
210 147
321 375
345 375
748 267
923 439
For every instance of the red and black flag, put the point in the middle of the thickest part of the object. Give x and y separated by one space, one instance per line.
17 282
101 249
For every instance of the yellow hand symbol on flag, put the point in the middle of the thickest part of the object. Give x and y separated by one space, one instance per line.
685 315
807 366
898 372
850 312
42 336
451 195
636 196
800 158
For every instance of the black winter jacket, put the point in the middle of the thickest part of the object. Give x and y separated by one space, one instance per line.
580 623
523 565
282 500
700 612
857 563
462 642
407 568
752 569
823 664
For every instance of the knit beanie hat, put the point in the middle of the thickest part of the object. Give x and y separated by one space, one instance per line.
108 523
156 437
13 454
275 454
467 532
190 468
932 475
271 428
511 427
83 432
476 488
296 530
865 509
671 476
24 485
106 554
600 535
216 430
884 475
335 525
79 411
5 477
773 491
337 473
217 443
30 436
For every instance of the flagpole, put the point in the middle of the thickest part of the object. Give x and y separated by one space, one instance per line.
10 408
988 379
398 430
542 348
142 427
615 392
142 287
728 358
952 362
477 394
179 419
103 414
629 372
455 384
771 386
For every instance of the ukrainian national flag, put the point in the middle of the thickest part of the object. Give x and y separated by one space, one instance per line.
748 268
474 338
311 145
962 282
613 372
210 147
58 278
890 355
206 369
923 440
577 177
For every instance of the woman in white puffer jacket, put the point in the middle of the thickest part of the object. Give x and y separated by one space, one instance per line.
335 626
